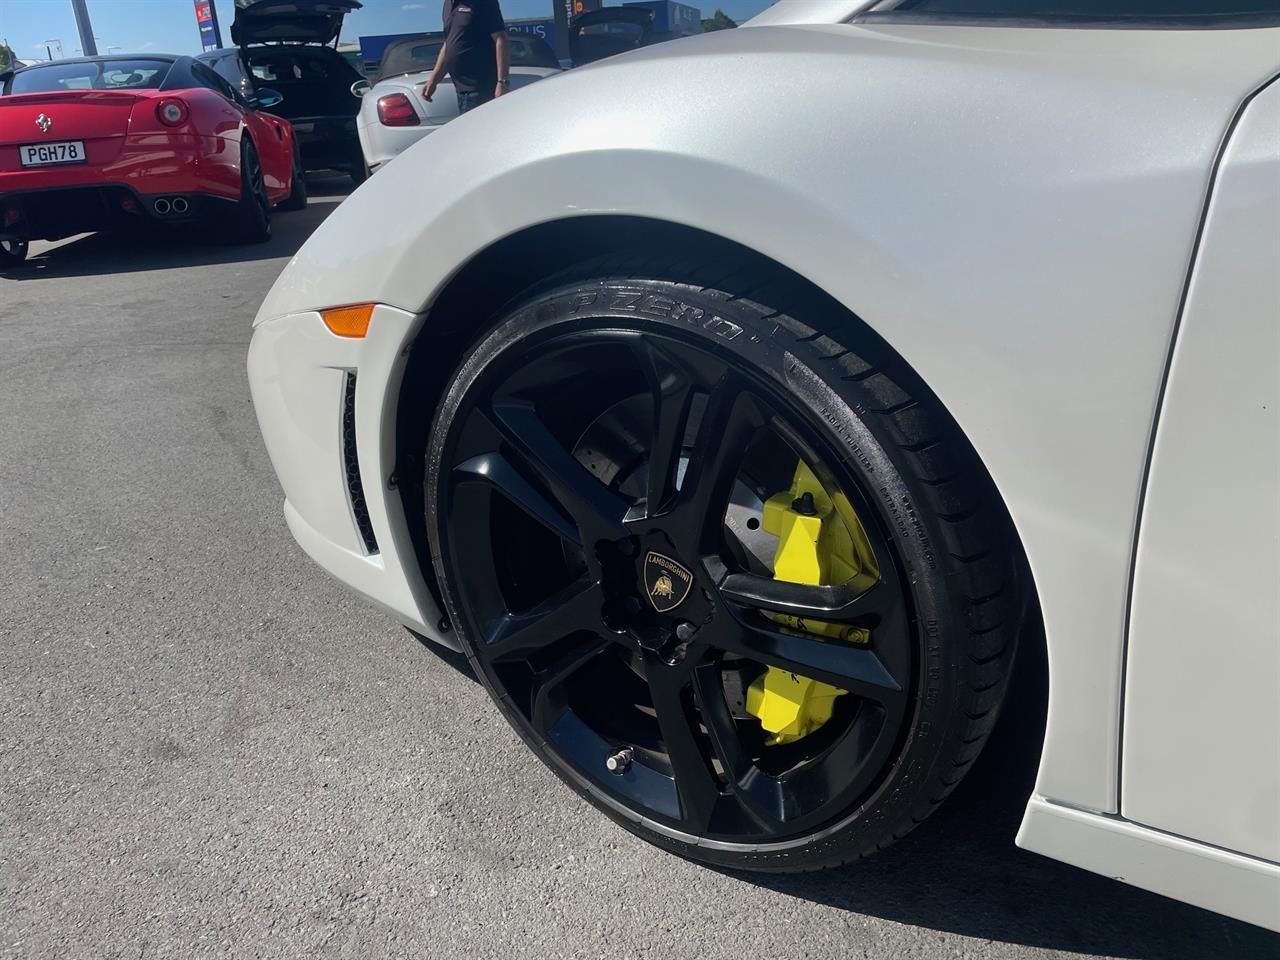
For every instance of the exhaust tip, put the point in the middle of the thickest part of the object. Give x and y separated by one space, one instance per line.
179 205
162 206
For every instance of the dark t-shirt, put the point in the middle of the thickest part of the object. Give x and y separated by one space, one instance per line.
470 59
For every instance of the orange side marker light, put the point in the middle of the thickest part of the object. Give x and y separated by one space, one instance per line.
350 321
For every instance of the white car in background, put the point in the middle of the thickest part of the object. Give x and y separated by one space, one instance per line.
393 114
744 402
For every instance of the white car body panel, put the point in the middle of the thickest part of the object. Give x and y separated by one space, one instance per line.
382 144
1202 714
297 392
1014 210
1243 887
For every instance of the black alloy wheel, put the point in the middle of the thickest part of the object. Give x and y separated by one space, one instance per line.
252 219
596 482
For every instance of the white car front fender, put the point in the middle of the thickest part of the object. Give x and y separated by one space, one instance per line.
1012 209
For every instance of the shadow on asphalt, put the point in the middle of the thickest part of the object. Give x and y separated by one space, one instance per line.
453 658
329 185
960 872
99 254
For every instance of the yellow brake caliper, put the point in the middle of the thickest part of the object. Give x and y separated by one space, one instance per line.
819 542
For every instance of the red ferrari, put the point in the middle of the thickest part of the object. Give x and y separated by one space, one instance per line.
103 142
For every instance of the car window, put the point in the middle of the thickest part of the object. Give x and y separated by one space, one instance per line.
286 68
524 50
230 70
425 52
91 75
276 70
596 41
207 78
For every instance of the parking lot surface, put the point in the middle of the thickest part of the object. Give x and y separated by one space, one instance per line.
209 748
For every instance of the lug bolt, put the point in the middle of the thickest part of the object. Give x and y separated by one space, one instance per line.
685 631
619 761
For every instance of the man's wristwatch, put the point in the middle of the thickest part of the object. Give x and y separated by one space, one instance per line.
504 81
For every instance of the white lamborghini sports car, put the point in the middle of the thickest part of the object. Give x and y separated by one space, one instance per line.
737 440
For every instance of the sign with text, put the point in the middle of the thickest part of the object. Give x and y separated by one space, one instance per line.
207 21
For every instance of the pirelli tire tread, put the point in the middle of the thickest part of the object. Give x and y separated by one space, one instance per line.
959 546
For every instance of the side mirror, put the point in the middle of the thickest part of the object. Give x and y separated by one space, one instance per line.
267 98
360 88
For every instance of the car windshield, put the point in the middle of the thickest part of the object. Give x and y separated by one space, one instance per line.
1101 9
91 75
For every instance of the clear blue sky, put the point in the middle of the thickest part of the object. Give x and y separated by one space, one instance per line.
169 26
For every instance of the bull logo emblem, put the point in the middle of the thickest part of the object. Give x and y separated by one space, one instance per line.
44 123
667 582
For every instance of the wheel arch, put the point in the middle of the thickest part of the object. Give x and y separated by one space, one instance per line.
246 136
520 263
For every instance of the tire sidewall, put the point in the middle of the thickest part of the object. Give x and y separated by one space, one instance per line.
254 218
835 409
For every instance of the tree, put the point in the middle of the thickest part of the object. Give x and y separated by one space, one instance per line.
7 56
719 21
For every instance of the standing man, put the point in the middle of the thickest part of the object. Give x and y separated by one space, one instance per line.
474 53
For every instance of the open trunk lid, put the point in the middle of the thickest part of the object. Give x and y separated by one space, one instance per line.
289 21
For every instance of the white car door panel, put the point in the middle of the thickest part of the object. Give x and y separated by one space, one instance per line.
1201 747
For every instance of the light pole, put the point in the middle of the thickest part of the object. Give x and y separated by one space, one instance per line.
87 38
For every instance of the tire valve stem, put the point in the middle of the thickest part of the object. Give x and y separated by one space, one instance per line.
804 505
619 761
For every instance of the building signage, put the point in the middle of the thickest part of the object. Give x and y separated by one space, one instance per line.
207 21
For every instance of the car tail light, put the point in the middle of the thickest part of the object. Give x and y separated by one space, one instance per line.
171 112
395 110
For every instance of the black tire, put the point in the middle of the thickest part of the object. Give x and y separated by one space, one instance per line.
957 561
12 252
251 219
358 170
297 199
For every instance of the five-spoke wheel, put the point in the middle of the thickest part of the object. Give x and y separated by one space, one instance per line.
605 504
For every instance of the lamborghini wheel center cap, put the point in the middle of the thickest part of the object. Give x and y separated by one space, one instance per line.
666 582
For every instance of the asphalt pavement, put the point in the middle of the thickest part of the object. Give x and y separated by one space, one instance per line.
209 748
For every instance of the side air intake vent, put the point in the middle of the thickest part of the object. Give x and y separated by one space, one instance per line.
355 489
